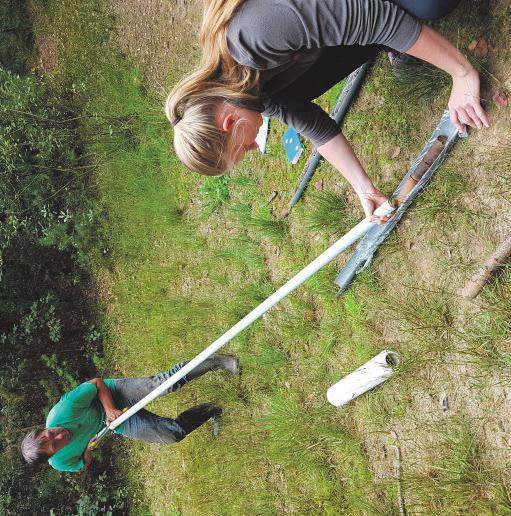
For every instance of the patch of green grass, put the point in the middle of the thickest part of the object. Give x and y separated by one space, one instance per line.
328 213
243 251
215 192
262 224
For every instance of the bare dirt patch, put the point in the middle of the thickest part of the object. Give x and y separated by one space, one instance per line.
160 36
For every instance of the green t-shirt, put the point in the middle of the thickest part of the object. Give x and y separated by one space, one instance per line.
80 412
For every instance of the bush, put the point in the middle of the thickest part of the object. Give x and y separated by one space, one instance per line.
49 218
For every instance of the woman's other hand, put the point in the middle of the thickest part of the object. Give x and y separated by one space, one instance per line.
464 102
371 200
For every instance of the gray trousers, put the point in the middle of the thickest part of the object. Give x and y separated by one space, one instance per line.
149 427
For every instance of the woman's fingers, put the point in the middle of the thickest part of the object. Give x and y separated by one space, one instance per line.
464 116
455 120
471 112
473 115
481 114
464 103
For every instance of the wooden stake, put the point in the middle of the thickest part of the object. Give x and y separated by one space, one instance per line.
497 260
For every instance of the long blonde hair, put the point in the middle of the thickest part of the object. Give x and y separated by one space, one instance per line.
192 105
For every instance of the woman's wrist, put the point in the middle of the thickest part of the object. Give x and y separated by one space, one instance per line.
364 187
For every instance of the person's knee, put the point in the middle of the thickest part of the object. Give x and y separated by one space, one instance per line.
436 11
429 10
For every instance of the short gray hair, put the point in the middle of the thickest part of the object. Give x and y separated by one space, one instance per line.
31 447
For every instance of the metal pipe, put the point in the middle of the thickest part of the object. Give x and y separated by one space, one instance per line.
323 259
422 169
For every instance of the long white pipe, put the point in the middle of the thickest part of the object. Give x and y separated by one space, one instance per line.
342 244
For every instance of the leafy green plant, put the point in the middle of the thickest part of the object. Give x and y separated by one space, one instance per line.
215 191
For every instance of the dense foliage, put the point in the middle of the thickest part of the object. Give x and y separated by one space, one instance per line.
49 334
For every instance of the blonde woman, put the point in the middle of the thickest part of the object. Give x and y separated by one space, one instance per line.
274 57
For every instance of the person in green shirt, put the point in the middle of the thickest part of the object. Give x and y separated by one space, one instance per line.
84 411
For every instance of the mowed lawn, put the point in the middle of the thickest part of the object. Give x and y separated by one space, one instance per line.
188 256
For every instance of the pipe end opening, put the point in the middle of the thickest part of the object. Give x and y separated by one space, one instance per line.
392 359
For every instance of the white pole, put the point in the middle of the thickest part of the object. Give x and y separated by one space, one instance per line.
342 244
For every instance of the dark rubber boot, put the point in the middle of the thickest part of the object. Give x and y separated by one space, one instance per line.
214 363
193 418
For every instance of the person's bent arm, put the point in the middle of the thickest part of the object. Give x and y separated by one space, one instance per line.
87 459
339 153
106 400
464 103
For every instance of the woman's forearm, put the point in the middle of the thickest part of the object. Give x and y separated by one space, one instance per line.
435 49
339 153
464 102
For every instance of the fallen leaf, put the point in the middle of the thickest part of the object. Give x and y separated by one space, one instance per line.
501 98
396 152
319 185
479 47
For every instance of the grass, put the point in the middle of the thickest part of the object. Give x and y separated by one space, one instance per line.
188 256
487 340
329 212
420 80
457 479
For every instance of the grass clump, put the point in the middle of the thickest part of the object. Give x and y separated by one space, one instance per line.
420 80
215 192
487 339
328 212
444 204
262 224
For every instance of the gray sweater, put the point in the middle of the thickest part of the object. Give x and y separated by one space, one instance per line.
284 38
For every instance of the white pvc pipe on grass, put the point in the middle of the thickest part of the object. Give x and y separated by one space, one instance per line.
332 252
371 374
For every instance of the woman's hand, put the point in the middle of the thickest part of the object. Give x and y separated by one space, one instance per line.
371 200
464 106
464 102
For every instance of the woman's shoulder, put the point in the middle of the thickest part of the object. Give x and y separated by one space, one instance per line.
263 33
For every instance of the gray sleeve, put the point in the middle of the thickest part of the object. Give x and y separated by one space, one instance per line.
308 119
263 33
